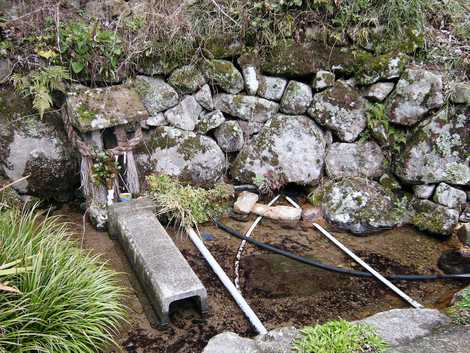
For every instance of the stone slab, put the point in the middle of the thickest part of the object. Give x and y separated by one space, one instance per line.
101 108
162 270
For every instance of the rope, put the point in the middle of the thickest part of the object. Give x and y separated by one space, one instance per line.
124 147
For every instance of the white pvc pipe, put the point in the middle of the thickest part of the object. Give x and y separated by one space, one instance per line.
250 314
381 278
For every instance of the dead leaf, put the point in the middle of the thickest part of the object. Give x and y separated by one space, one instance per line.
5 288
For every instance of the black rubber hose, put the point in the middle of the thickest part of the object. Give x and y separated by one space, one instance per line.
331 268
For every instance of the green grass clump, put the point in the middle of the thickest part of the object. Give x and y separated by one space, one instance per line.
460 311
339 337
62 299
188 205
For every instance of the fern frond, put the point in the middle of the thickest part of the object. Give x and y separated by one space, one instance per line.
42 100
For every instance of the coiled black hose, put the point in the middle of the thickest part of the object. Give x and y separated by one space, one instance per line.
331 268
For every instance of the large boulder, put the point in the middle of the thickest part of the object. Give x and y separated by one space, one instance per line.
354 159
182 154
224 74
38 148
416 93
433 218
246 107
289 149
360 206
341 109
437 150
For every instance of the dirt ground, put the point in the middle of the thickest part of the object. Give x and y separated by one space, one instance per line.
281 291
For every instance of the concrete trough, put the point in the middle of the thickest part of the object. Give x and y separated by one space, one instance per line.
161 268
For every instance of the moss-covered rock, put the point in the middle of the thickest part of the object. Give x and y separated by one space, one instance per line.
224 74
187 79
100 108
437 150
360 206
38 148
182 154
289 149
157 96
433 218
289 58
369 68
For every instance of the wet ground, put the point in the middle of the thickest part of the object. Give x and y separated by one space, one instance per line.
281 291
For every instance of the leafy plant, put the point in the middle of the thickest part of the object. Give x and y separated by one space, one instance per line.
460 311
185 204
66 301
339 337
380 127
104 169
90 48
40 84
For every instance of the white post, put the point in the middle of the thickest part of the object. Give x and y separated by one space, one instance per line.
250 314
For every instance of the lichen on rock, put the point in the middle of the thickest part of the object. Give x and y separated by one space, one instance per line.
181 154
341 109
437 150
288 149
360 206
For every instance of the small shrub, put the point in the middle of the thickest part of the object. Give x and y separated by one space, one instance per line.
339 337
187 205
62 299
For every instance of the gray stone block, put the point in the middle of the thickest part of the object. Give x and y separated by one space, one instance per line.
161 268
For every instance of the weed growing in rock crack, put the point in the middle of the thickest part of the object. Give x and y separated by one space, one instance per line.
188 205
378 126
339 337
64 300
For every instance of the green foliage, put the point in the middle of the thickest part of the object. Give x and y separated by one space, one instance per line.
380 127
66 301
187 205
339 337
40 84
91 49
104 169
460 311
